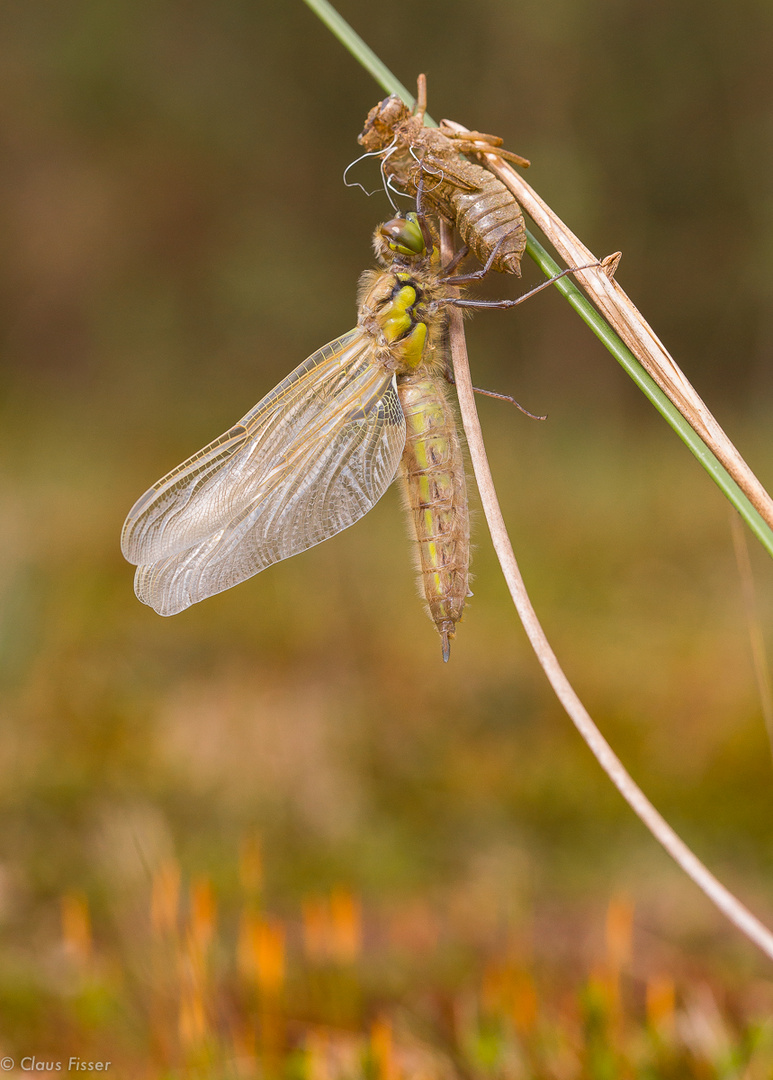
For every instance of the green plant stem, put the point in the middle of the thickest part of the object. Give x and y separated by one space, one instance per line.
352 41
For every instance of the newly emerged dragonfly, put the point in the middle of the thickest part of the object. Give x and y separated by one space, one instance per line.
484 211
318 452
323 446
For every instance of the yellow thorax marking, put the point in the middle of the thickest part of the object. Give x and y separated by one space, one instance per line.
401 325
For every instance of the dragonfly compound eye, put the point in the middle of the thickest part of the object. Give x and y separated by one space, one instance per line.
404 235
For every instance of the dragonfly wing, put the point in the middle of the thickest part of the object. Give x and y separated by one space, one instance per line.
308 461
208 490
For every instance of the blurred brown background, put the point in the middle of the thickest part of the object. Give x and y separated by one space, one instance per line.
176 238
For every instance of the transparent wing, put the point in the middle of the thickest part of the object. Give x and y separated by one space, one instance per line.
308 461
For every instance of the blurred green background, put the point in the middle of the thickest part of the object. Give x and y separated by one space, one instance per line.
176 238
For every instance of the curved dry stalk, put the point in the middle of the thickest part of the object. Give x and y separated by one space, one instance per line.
731 907
638 335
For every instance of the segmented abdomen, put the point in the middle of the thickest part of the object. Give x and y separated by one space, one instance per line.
432 471
485 212
485 217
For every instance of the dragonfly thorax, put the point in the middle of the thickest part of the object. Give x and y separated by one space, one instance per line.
394 311
399 306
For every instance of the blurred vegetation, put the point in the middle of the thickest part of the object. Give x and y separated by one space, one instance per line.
190 987
177 237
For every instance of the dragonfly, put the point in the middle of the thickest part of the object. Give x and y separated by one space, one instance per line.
483 209
319 451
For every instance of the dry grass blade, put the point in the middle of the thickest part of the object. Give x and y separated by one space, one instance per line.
640 338
731 907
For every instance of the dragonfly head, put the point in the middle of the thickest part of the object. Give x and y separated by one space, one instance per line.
400 236
379 130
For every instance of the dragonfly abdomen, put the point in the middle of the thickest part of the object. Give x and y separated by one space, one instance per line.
432 471
490 219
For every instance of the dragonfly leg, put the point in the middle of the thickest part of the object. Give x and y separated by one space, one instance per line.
478 142
448 375
460 255
462 302
425 229
476 275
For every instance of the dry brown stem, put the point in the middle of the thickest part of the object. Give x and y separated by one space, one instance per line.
731 907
